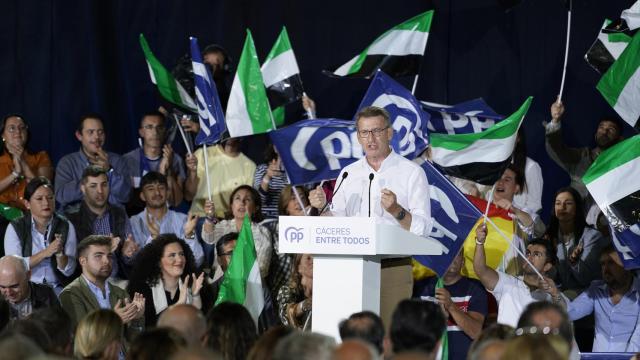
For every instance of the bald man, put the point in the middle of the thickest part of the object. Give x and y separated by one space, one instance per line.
354 349
23 295
187 320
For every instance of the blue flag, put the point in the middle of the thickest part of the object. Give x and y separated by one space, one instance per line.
468 117
209 108
409 121
627 244
453 218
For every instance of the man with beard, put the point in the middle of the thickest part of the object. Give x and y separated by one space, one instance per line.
91 290
91 135
614 301
515 293
576 161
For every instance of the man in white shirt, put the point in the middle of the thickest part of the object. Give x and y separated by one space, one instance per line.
387 187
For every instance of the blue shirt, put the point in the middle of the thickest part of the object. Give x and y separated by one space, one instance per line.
102 297
616 325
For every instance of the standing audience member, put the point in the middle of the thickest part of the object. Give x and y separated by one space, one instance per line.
530 196
100 335
91 135
17 164
577 244
157 218
231 331
154 154
91 291
46 239
463 301
365 326
164 272
226 159
417 326
294 299
188 321
156 344
302 345
269 180
615 302
23 296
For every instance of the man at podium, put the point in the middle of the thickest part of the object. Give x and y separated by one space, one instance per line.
388 187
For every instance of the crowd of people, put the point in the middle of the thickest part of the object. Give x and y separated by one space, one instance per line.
123 256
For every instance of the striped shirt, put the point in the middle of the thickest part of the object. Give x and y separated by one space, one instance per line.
270 197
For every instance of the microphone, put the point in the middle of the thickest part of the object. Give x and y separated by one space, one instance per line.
370 180
344 176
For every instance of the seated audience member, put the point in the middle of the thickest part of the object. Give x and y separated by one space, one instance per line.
156 344
91 135
156 218
304 345
463 301
231 331
547 318
264 347
365 326
294 299
530 196
91 291
163 272
514 293
57 323
46 239
417 326
244 200
614 302
18 165
269 180
576 161
31 330
355 349
96 216
491 342
577 244
23 295
536 346
229 168
195 353
154 154
187 320
19 347
100 335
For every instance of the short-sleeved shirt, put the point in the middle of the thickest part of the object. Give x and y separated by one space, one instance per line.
513 295
14 194
468 295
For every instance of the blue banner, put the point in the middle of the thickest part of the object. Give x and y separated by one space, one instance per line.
453 218
409 121
209 108
471 116
626 242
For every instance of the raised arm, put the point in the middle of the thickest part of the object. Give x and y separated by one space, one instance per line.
488 277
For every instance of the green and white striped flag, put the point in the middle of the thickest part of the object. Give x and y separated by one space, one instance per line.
281 76
248 110
620 85
613 182
480 157
397 52
606 49
168 86
242 283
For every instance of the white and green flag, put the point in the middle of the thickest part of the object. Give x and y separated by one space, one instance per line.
620 85
481 157
397 52
242 283
281 76
606 49
612 181
168 86
248 110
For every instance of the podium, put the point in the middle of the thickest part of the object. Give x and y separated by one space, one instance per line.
346 261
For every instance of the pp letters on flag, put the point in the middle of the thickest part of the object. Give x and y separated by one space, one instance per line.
468 117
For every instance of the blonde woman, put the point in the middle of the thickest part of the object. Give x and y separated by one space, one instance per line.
99 336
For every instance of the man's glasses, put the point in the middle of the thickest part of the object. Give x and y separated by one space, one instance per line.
376 132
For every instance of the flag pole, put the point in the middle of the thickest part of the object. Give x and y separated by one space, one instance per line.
415 84
206 169
566 51
184 136
486 211
309 111
295 193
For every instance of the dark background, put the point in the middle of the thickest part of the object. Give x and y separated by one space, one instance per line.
61 59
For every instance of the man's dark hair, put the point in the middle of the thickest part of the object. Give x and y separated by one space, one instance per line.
156 343
526 318
5 313
152 113
31 330
153 177
416 326
550 252
519 179
224 240
86 116
364 325
99 240
92 171
231 330
55 321
614 119
34 184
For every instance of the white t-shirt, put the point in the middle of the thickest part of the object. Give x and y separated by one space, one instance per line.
405 178
513 295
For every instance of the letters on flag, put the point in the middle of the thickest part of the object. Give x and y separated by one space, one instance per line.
468 117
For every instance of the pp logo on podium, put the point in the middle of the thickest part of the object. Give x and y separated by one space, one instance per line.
292 234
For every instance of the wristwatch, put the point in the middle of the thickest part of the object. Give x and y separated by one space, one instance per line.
401 214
